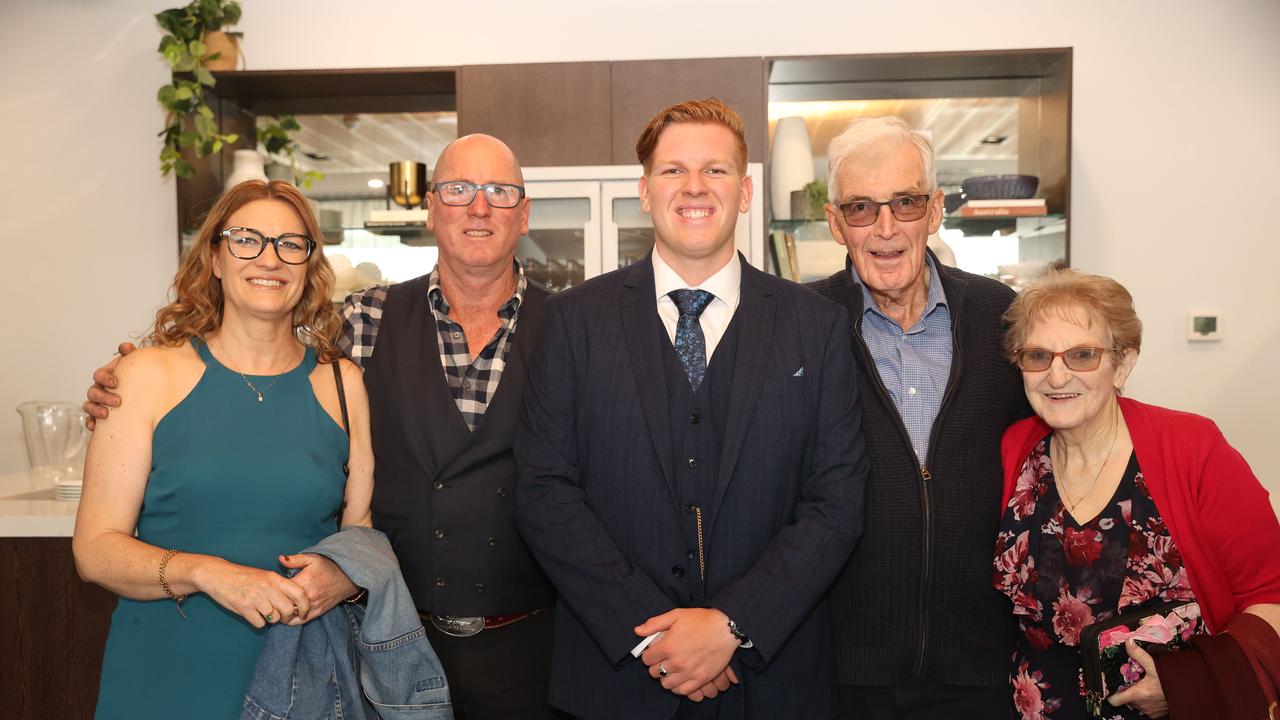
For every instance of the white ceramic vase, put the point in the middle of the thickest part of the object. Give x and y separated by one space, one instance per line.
790 164
246 165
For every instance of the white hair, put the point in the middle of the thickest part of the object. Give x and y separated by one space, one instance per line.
865 134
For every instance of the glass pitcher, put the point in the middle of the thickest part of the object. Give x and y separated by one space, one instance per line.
56 437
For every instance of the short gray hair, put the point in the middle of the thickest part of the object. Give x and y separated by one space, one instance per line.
862 134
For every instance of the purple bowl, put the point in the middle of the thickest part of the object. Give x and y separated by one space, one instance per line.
1000 187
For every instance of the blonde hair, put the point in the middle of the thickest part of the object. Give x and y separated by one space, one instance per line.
711 110
197 305
1060 293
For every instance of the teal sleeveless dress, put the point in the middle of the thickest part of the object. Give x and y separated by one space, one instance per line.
240 479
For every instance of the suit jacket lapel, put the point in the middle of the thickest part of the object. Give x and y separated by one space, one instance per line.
644 335
754 317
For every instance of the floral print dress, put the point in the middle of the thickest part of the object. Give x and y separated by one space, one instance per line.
1064 576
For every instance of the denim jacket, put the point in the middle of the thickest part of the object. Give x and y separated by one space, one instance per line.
353 662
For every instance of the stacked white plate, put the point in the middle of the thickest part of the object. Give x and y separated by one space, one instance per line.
68 488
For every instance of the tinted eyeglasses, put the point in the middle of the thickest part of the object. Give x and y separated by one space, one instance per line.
247 244
462 193
1080 359
905 208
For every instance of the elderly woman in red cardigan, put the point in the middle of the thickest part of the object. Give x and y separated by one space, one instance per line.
1112 506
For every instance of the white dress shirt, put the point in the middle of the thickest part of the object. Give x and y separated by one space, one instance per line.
725 285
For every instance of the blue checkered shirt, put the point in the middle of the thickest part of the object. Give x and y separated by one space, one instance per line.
472 383
914 364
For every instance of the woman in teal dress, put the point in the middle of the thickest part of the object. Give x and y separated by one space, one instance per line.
225 456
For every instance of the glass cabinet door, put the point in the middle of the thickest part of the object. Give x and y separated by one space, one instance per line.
562 247
628 231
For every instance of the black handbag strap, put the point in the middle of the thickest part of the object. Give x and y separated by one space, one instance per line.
342 402
342 395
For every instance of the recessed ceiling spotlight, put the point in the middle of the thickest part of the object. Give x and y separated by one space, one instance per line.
994 139
375 183
318 156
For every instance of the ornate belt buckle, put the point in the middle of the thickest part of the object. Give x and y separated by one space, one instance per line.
457 626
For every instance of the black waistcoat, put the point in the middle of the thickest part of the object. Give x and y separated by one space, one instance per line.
444 495
698 421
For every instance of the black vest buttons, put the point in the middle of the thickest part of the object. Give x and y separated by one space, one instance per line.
693 463
437 485
690 507
695 418
440 582
479 587
677 571
439 533
502 492
493 542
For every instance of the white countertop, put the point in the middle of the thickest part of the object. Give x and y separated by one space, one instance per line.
28 508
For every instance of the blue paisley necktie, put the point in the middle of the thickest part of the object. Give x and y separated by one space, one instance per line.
691 346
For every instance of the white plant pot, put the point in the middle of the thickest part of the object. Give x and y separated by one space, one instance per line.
246 165
790 164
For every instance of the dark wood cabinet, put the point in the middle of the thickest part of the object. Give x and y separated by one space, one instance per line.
549 113
590 113
53 628
640 88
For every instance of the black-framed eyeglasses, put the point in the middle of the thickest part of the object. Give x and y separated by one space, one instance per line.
462 193
905 208
1080 359
247 244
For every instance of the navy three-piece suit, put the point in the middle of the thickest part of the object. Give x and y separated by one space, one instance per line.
639 494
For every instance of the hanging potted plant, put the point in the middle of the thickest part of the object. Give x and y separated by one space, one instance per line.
275 137
189 121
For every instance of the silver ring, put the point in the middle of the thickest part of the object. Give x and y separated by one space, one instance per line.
661 670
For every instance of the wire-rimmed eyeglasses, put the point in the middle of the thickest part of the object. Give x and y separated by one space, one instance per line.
1080 359
905 208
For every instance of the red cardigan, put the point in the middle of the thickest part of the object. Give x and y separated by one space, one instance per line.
1217 512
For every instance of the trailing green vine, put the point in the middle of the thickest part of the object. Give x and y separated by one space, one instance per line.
189 121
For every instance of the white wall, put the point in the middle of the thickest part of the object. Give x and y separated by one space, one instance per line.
1174 100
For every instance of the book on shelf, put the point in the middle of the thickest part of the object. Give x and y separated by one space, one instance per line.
782 249
1002 208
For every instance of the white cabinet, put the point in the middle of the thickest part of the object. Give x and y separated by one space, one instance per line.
587 220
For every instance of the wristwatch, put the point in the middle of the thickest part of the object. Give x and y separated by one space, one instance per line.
736 632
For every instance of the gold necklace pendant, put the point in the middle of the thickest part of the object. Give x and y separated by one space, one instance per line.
245 378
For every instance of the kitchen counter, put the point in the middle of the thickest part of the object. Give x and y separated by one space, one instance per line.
28 508
53 626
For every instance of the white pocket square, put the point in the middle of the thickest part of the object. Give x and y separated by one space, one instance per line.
799 373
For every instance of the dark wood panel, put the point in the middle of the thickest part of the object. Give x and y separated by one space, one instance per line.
355 90
643 87
53 629
549 113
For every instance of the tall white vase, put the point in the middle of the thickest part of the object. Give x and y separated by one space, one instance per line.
246 165
790 164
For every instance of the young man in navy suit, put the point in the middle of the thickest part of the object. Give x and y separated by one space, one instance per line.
691 463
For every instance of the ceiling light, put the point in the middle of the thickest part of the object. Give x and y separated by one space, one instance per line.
375 183
994 139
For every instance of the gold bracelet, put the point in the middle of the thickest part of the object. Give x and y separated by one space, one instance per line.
164 563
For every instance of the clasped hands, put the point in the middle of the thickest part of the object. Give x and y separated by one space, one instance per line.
694 651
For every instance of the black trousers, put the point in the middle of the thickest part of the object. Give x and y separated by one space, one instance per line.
499 674
925 701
